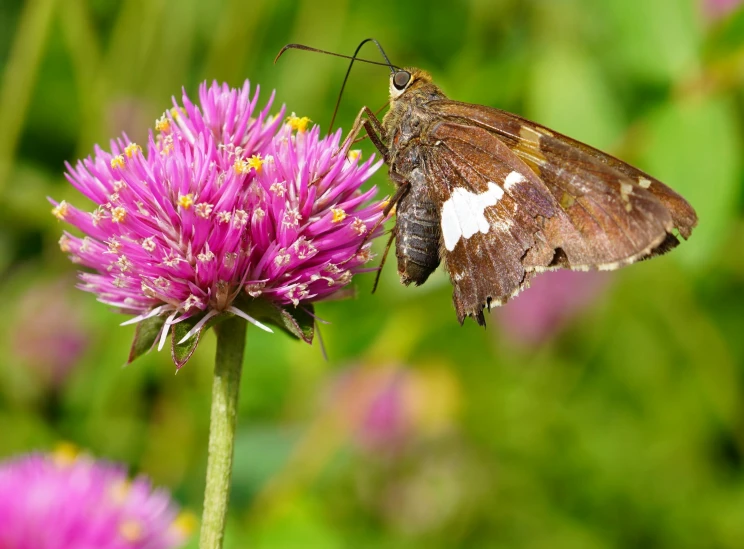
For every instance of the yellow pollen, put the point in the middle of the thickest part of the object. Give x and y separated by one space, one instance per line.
175 113
186 201
131 530
185 523
255 162
241 167
60 210
338 215
297 123
353 155
131 149
118 214
162 124
65 453
117 161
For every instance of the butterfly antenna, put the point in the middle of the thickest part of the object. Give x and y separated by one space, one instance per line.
348 72
316 50
353 58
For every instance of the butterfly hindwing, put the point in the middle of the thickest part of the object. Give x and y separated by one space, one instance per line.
492 208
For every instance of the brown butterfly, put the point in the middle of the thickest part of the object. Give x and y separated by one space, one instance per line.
498 198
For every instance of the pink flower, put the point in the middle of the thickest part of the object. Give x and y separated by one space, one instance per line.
384 409
717 9
55 502
224 201
49 335
553 300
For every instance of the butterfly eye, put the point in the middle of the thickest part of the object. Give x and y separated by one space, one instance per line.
401 79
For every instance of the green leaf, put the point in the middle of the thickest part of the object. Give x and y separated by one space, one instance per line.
144 337
298 322
182 352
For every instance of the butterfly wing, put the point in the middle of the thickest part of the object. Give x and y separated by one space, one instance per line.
566 164
517 199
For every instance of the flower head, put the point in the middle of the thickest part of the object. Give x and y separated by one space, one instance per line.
60 501
223 201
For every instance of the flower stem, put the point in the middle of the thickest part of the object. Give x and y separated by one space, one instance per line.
225 392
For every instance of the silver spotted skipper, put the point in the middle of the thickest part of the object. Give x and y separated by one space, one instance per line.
498 198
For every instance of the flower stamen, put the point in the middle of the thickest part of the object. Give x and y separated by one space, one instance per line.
185 201
61 210
131 149
297 123
117 161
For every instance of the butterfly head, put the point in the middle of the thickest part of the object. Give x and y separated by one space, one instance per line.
406 79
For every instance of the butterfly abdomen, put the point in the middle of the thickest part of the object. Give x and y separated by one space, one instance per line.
417 237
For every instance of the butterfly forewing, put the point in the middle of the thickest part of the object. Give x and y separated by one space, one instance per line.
491 212
547 150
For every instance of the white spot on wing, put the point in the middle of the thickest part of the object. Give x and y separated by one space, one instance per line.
644 182
463 213
514 178
626 189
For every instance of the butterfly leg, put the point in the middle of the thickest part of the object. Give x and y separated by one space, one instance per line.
382 261
399 192
372 125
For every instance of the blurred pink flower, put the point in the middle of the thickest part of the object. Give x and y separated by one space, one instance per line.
56 502
223 199
49 335
716 9
387 420
382 409
553 300
372 405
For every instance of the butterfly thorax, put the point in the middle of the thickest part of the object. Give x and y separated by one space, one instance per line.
418 232
407 117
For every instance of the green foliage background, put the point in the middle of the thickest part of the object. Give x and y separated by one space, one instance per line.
625 428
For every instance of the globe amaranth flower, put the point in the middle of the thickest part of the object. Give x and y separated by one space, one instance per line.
223 199
63 502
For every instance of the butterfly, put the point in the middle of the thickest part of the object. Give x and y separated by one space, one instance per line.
497 198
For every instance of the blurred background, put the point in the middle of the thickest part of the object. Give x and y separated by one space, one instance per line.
596 410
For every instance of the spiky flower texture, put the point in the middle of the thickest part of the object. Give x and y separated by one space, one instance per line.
61 501
226 207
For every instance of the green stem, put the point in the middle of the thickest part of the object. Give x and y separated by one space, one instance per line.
225 392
